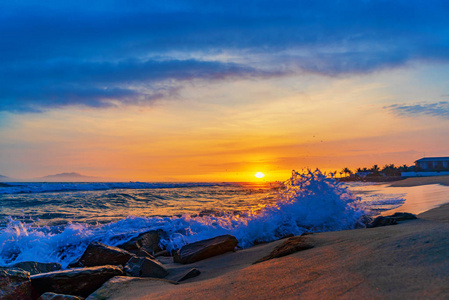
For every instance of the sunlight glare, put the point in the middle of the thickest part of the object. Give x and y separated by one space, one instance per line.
259 175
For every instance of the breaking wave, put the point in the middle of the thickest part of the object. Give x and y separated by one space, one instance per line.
306 202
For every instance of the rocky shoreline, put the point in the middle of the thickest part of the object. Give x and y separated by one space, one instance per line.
141 257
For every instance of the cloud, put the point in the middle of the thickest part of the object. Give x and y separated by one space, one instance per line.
84 51
34 87
437 109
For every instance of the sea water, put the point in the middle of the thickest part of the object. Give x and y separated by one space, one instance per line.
54 222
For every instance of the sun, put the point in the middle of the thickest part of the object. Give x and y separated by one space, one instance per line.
259 175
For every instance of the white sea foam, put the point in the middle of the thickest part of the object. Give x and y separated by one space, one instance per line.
309 202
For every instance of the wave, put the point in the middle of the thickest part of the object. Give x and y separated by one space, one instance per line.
308 202
45 187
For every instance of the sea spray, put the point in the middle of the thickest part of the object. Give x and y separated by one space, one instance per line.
307 202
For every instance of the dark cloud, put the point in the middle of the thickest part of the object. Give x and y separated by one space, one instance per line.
437 109
90 49
34 87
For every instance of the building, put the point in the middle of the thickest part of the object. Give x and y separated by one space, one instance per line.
429 166
432 164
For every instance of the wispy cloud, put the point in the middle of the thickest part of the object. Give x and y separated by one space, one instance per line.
437 109
62 53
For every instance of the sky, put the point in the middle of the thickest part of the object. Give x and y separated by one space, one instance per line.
219 90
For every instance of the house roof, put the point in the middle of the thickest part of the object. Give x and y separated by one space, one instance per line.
433 159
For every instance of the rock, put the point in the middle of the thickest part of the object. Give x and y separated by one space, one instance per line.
145 267
36 267
382 221
79 282
53 296
114 288
162 253
290 246
15 284
189 274
75 264
204 249
143 253
403 216
148 241
98 254
132 245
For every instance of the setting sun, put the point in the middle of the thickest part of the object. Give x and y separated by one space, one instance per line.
259 175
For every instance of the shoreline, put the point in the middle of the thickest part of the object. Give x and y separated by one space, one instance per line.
408 260
405 260
401 181
417 181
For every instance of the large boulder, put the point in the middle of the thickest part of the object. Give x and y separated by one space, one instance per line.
403 216
53 296
148 241
145 267
391 220
36 267
98 254
78 282
382 221
290 246
204 249
15 284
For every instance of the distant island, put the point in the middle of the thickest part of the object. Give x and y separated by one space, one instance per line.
61 177
3 179
72 176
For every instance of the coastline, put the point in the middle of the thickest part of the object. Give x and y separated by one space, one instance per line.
416 181
401 181
408 260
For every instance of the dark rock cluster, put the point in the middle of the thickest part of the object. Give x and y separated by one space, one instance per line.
99 263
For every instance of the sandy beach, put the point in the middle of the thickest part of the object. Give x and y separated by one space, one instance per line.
415 181
409 260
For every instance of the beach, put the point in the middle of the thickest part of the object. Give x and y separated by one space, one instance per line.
331 259
409 260
416 181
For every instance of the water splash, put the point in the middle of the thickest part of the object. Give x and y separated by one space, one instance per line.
307 202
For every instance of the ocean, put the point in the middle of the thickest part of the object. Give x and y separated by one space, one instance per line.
54 222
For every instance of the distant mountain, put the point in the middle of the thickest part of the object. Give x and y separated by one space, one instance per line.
68 177
4 178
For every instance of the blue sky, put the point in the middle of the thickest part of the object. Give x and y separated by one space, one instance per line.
82 53
61 57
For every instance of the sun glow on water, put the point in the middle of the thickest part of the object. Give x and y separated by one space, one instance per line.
259 175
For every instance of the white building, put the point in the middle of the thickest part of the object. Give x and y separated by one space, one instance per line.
429 166
433 164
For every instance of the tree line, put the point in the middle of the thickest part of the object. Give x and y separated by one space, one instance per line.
388 170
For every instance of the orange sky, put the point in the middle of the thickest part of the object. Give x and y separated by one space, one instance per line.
228 131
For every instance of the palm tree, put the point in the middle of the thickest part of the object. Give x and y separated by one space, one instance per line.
346 171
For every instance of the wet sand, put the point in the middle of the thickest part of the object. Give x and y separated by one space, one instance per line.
405 261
